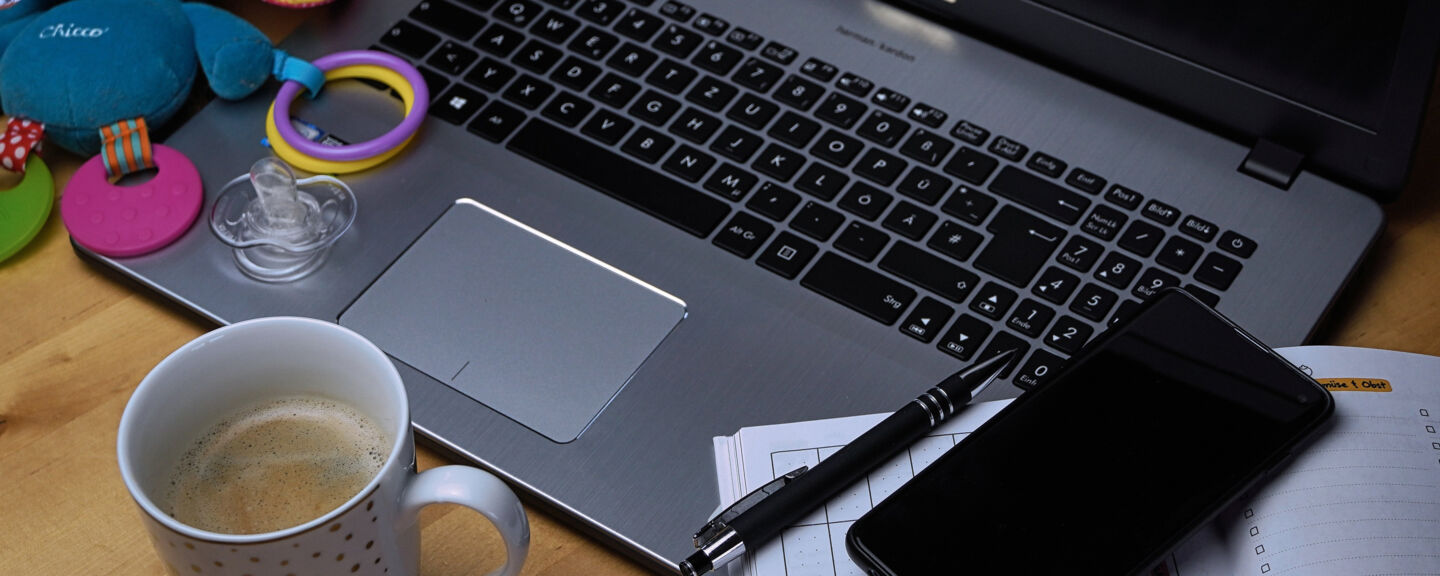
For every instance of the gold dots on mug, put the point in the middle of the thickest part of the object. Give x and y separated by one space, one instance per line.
369 505
196 569
369 545
340 557
355 568
284 562
189 545
335 527
254 559
219 564
315 555
349 536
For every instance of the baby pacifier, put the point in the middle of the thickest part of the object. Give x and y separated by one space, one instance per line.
280 228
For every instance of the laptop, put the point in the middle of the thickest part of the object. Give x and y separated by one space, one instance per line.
629 227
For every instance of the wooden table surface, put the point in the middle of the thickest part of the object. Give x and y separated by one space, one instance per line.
73 345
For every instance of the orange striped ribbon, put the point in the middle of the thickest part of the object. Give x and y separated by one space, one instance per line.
125 147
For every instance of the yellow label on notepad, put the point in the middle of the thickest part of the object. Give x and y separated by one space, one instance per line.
1355 384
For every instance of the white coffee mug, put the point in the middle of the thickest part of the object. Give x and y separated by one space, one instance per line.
375 532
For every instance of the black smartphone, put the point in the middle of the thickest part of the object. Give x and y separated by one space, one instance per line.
1142 438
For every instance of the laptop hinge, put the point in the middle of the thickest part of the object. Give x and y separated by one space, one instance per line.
1272 163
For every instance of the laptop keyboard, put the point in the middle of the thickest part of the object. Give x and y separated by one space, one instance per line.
968 241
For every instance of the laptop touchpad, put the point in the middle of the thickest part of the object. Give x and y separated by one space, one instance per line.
514 319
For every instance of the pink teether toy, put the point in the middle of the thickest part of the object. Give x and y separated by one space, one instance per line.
122 221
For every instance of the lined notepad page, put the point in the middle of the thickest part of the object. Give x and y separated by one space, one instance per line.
815 546
1364 499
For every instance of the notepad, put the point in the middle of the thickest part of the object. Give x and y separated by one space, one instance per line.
1364 498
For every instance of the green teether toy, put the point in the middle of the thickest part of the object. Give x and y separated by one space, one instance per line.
24 208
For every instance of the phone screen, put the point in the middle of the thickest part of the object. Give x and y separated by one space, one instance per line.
1145 435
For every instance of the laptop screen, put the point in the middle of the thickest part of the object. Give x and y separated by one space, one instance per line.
1334 56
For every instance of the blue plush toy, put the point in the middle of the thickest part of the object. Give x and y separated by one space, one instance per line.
84 65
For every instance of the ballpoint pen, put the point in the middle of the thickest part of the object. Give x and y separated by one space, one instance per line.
762 514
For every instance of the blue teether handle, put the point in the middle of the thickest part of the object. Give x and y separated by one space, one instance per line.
288 67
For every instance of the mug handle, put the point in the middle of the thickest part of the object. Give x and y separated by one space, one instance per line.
478 491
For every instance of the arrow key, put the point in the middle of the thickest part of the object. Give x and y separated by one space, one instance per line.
926 320
993 300
964 338
743 235
1068 335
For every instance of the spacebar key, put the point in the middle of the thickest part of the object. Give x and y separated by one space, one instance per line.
860 288
617 176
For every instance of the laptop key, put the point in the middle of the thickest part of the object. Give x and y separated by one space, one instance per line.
1161 212
1141 237
744 38
822 181
736 144
963 339
858 288
639 186
717 58
1179 254
883 129
409 39
861 241
678 42
1199 229
555 27
452 58
837 148
499 40
779 162
773 201
971 165
840 110
819 69
1021 245
926 146
865 201
928 115
678 11
1123 313
434 81
1086 181
1008 149
671 76
695 126
929 271
924 321
648 145
1123 197
1236 244
537 56
496 121
787 255
779 52
1080 253
924 185
1069 334
798 93
1039 369
1044 196
909 220
758 75
854 84
448 18
752 111
654 107
794 129
817 221
712 25
632 60
955 241
639 25
529 91
733 183
993 301
1093 302
594 43
1030 318
1117 270
688 163
601 12
743 234
568 109
1104 222
614 90
880 167
1047 164
1152 282
1056 285
607 127
457 104
969 205
971 133
1004 342
890 100
1218 271
518 12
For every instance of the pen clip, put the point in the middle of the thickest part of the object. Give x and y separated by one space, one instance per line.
719 523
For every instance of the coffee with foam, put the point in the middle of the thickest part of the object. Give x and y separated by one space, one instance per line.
275 466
